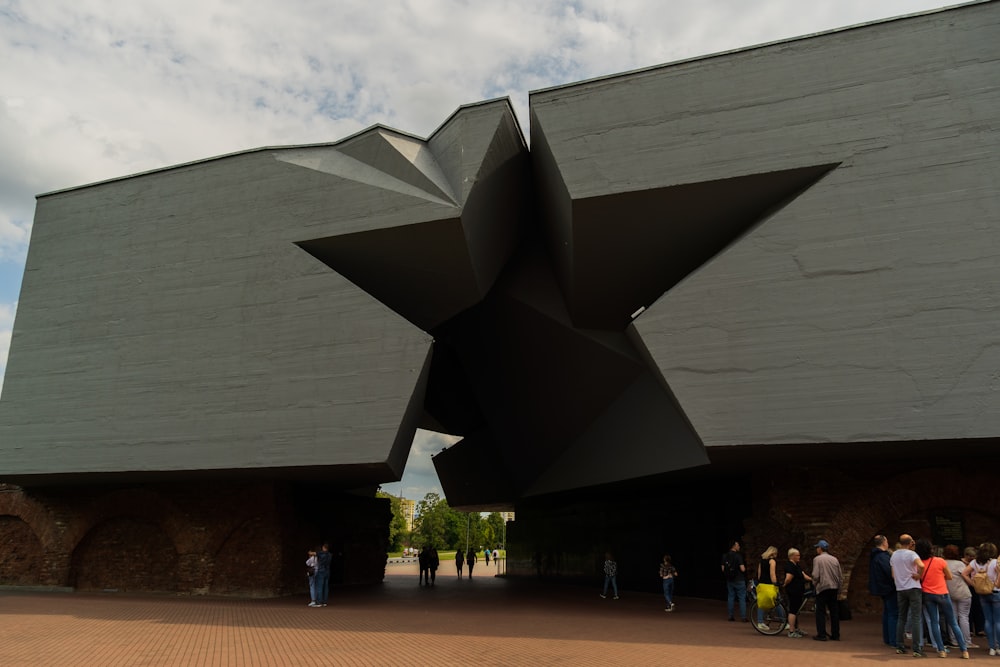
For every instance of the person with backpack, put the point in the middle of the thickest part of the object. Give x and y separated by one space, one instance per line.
983 574
734 570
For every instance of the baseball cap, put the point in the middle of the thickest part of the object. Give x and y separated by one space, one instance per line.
822 544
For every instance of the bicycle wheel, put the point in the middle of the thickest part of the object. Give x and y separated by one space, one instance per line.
769 622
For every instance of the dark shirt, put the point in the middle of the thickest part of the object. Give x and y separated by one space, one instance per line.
765 571
880 580
797 586
734 559
323 559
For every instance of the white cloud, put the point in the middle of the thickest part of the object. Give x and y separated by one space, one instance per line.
420 477
6 327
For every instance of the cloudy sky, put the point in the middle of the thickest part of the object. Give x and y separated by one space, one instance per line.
94 89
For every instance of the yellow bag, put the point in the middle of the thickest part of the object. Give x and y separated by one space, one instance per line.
767 596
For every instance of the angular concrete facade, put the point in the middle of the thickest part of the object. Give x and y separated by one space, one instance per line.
707 280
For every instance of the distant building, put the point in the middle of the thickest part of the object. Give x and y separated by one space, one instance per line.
409 507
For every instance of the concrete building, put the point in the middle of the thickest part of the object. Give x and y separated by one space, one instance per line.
747 295
409 508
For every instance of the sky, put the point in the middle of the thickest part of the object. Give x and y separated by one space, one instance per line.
97 89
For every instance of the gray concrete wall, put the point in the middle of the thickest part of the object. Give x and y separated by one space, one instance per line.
168 322
867 308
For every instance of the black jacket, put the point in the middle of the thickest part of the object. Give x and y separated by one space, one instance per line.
880 580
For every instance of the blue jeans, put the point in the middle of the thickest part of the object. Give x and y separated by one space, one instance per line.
935 606
312 588
322 586
737 590
668 591
991 614
909 602
613 580
890 615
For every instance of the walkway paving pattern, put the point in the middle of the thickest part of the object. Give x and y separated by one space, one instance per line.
483 621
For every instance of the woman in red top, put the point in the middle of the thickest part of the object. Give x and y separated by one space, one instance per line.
936 598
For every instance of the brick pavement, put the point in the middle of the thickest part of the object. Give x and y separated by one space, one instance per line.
484 621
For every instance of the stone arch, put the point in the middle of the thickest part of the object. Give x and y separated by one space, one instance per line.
248 561
127 539
125 553
16 503
890 500
33 548
22 557
140 503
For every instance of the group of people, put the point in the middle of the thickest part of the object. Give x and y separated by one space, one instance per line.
826 577
668 573
922 585
429 562
318 573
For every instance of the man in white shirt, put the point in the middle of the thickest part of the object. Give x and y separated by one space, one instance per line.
906 571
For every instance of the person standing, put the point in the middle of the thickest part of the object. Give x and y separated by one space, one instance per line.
433 562
610 575
668 573
961 596
470 560
734 569
982 574
795 588
906 570
977 624
936 601
880 584
311 574
459 561
486 555
423 559
323 559
828 577
767 584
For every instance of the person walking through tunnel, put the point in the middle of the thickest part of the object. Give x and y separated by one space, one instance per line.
470 560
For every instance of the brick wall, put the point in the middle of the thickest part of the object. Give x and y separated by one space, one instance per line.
222 539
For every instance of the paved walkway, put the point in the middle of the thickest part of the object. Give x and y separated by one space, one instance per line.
483 621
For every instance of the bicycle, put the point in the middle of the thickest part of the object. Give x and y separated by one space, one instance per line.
773 621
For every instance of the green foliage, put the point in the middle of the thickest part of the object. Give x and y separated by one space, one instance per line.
431 521
495 529
437 525
397 525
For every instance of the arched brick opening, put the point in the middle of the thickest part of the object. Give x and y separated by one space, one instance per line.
126 554
14 502
905 503
249 560
22 556
139 502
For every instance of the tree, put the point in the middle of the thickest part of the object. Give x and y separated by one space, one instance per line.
431 521
496 528
397 525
